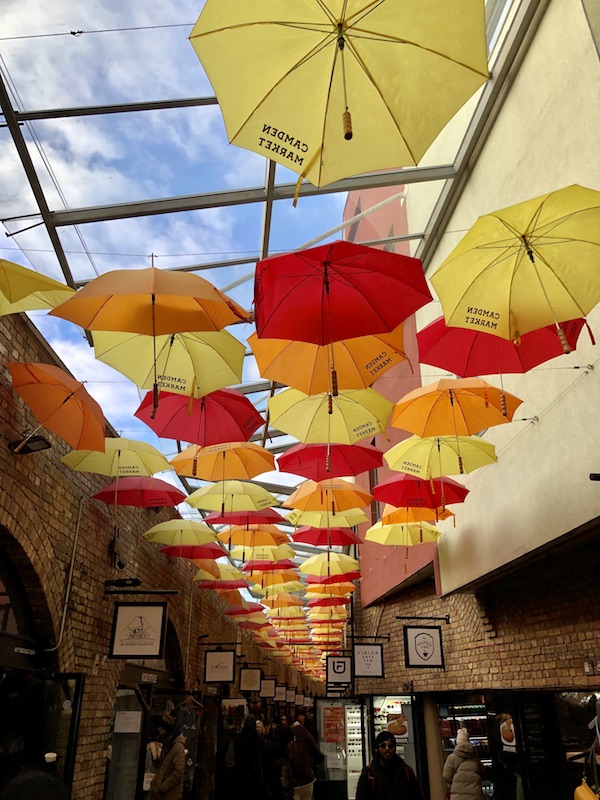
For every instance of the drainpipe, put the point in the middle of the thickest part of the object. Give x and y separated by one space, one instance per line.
69 583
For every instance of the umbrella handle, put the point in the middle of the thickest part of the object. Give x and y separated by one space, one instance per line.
334 383
563 340
347 125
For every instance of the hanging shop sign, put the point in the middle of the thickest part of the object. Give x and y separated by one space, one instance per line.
423 647
290 695
339 670
267 688
368 661
219 666
280 692
138 630
250 680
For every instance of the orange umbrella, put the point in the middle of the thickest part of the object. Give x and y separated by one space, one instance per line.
392 515
453 406
312 368
328 495
284 600
252 535
60 403
220 462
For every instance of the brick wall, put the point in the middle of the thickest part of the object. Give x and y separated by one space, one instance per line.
40 503
530 629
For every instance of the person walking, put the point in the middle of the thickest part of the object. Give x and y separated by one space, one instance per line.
463 770
168 781
388 777
304 754
244 763
277 779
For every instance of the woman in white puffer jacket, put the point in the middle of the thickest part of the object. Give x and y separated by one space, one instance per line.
463 770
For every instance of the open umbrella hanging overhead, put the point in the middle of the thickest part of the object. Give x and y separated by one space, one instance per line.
436 456
454 406
470 353
59 403
23 289
333 495
227 461
244 518
222 416
180 532
325 519
411 534
333 89
192 364
232 496
356 363
321 461
121 457
325 537
412 491
140 492
252 535
353 415
525 266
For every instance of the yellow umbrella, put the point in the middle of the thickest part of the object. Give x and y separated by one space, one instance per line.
278 588
226 572
406 535
285 600
252 535
289 75
227 461
438 456
459 406
226 496
355 414
192 364
120 457
525 266
325 519
179 532
329 563
263 552
328 495
356 363
343 589
23 289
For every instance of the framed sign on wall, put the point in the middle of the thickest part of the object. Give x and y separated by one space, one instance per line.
423 647
219 666
138 630
250 680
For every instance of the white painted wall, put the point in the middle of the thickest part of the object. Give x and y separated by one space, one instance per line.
546 137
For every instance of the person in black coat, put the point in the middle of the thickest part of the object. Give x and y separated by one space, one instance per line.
37 782
388 777
277 776
244 773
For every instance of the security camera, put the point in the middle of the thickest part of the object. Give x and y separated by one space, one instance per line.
120 563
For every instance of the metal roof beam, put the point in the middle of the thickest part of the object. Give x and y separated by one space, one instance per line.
123 108
284 191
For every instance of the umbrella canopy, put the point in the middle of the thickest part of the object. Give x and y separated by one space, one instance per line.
195 551
325 519
525 266
178 532
150 301
323 602
437 456
227 461
59 403
192 364
270 580
410 490
405 514
23 289
272 589
244 610
285 600
355 414
332 590
229 496
321 461
333 495
336 291
121 457
263 552
356 362
333 89
325 537
327 580
244 518
454 406
470 353
226 573
406 535
252 535
222 416
257 566
328 564
140 491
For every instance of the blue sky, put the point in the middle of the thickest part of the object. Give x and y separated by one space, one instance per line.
128 52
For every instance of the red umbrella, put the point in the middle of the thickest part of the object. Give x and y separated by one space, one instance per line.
239 583
254 626
323 537
222 416
413 492
320 461
336 291
471 353
326 580
266 515
329 601
268 566
140 491
210 550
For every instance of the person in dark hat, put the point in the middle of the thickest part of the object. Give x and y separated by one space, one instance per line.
388 777
168 781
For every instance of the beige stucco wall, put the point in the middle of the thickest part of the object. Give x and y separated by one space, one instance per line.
546 137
